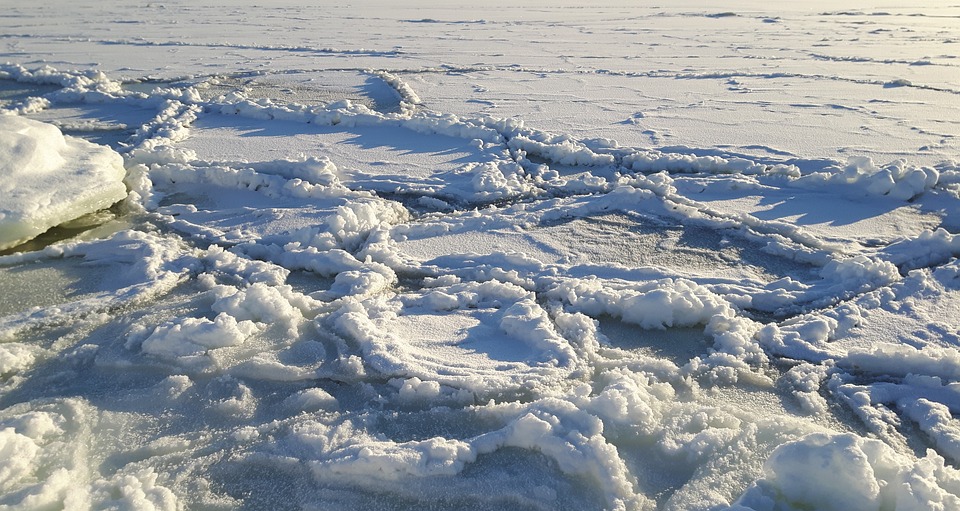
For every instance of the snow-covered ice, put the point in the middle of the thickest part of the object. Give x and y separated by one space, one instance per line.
510 256
48 179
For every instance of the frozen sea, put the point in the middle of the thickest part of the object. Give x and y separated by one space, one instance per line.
484 256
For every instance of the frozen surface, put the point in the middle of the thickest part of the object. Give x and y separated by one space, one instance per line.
48 179
537 256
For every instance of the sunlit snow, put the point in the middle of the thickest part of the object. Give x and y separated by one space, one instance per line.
549 255
48 179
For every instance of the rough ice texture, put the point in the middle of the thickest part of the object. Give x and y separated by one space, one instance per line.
47 179
660 304
522 278
194 336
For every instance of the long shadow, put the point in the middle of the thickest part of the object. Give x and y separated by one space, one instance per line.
408 142
397 139
813 209
12 90
109 124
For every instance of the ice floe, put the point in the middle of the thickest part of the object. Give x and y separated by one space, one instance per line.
49 179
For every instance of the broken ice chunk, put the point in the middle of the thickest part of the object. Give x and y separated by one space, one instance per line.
47 178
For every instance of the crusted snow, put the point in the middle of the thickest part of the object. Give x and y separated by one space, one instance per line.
569 257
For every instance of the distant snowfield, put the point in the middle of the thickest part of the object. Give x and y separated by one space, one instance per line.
268 256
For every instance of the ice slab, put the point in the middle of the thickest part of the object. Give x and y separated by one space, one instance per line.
47 179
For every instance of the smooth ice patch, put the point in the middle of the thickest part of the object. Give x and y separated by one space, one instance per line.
47 283
381 156
12 92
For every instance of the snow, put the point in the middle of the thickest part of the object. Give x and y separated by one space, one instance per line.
848 472
505 256
194 336
49 179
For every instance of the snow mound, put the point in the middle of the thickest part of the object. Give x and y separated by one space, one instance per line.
47 178
847 472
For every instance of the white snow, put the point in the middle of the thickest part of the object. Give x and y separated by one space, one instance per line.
191 336
546 255
848 472
48 179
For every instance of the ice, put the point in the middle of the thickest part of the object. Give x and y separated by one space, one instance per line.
865 474
463 256
49 179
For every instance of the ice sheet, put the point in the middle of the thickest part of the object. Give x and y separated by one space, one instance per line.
539 256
